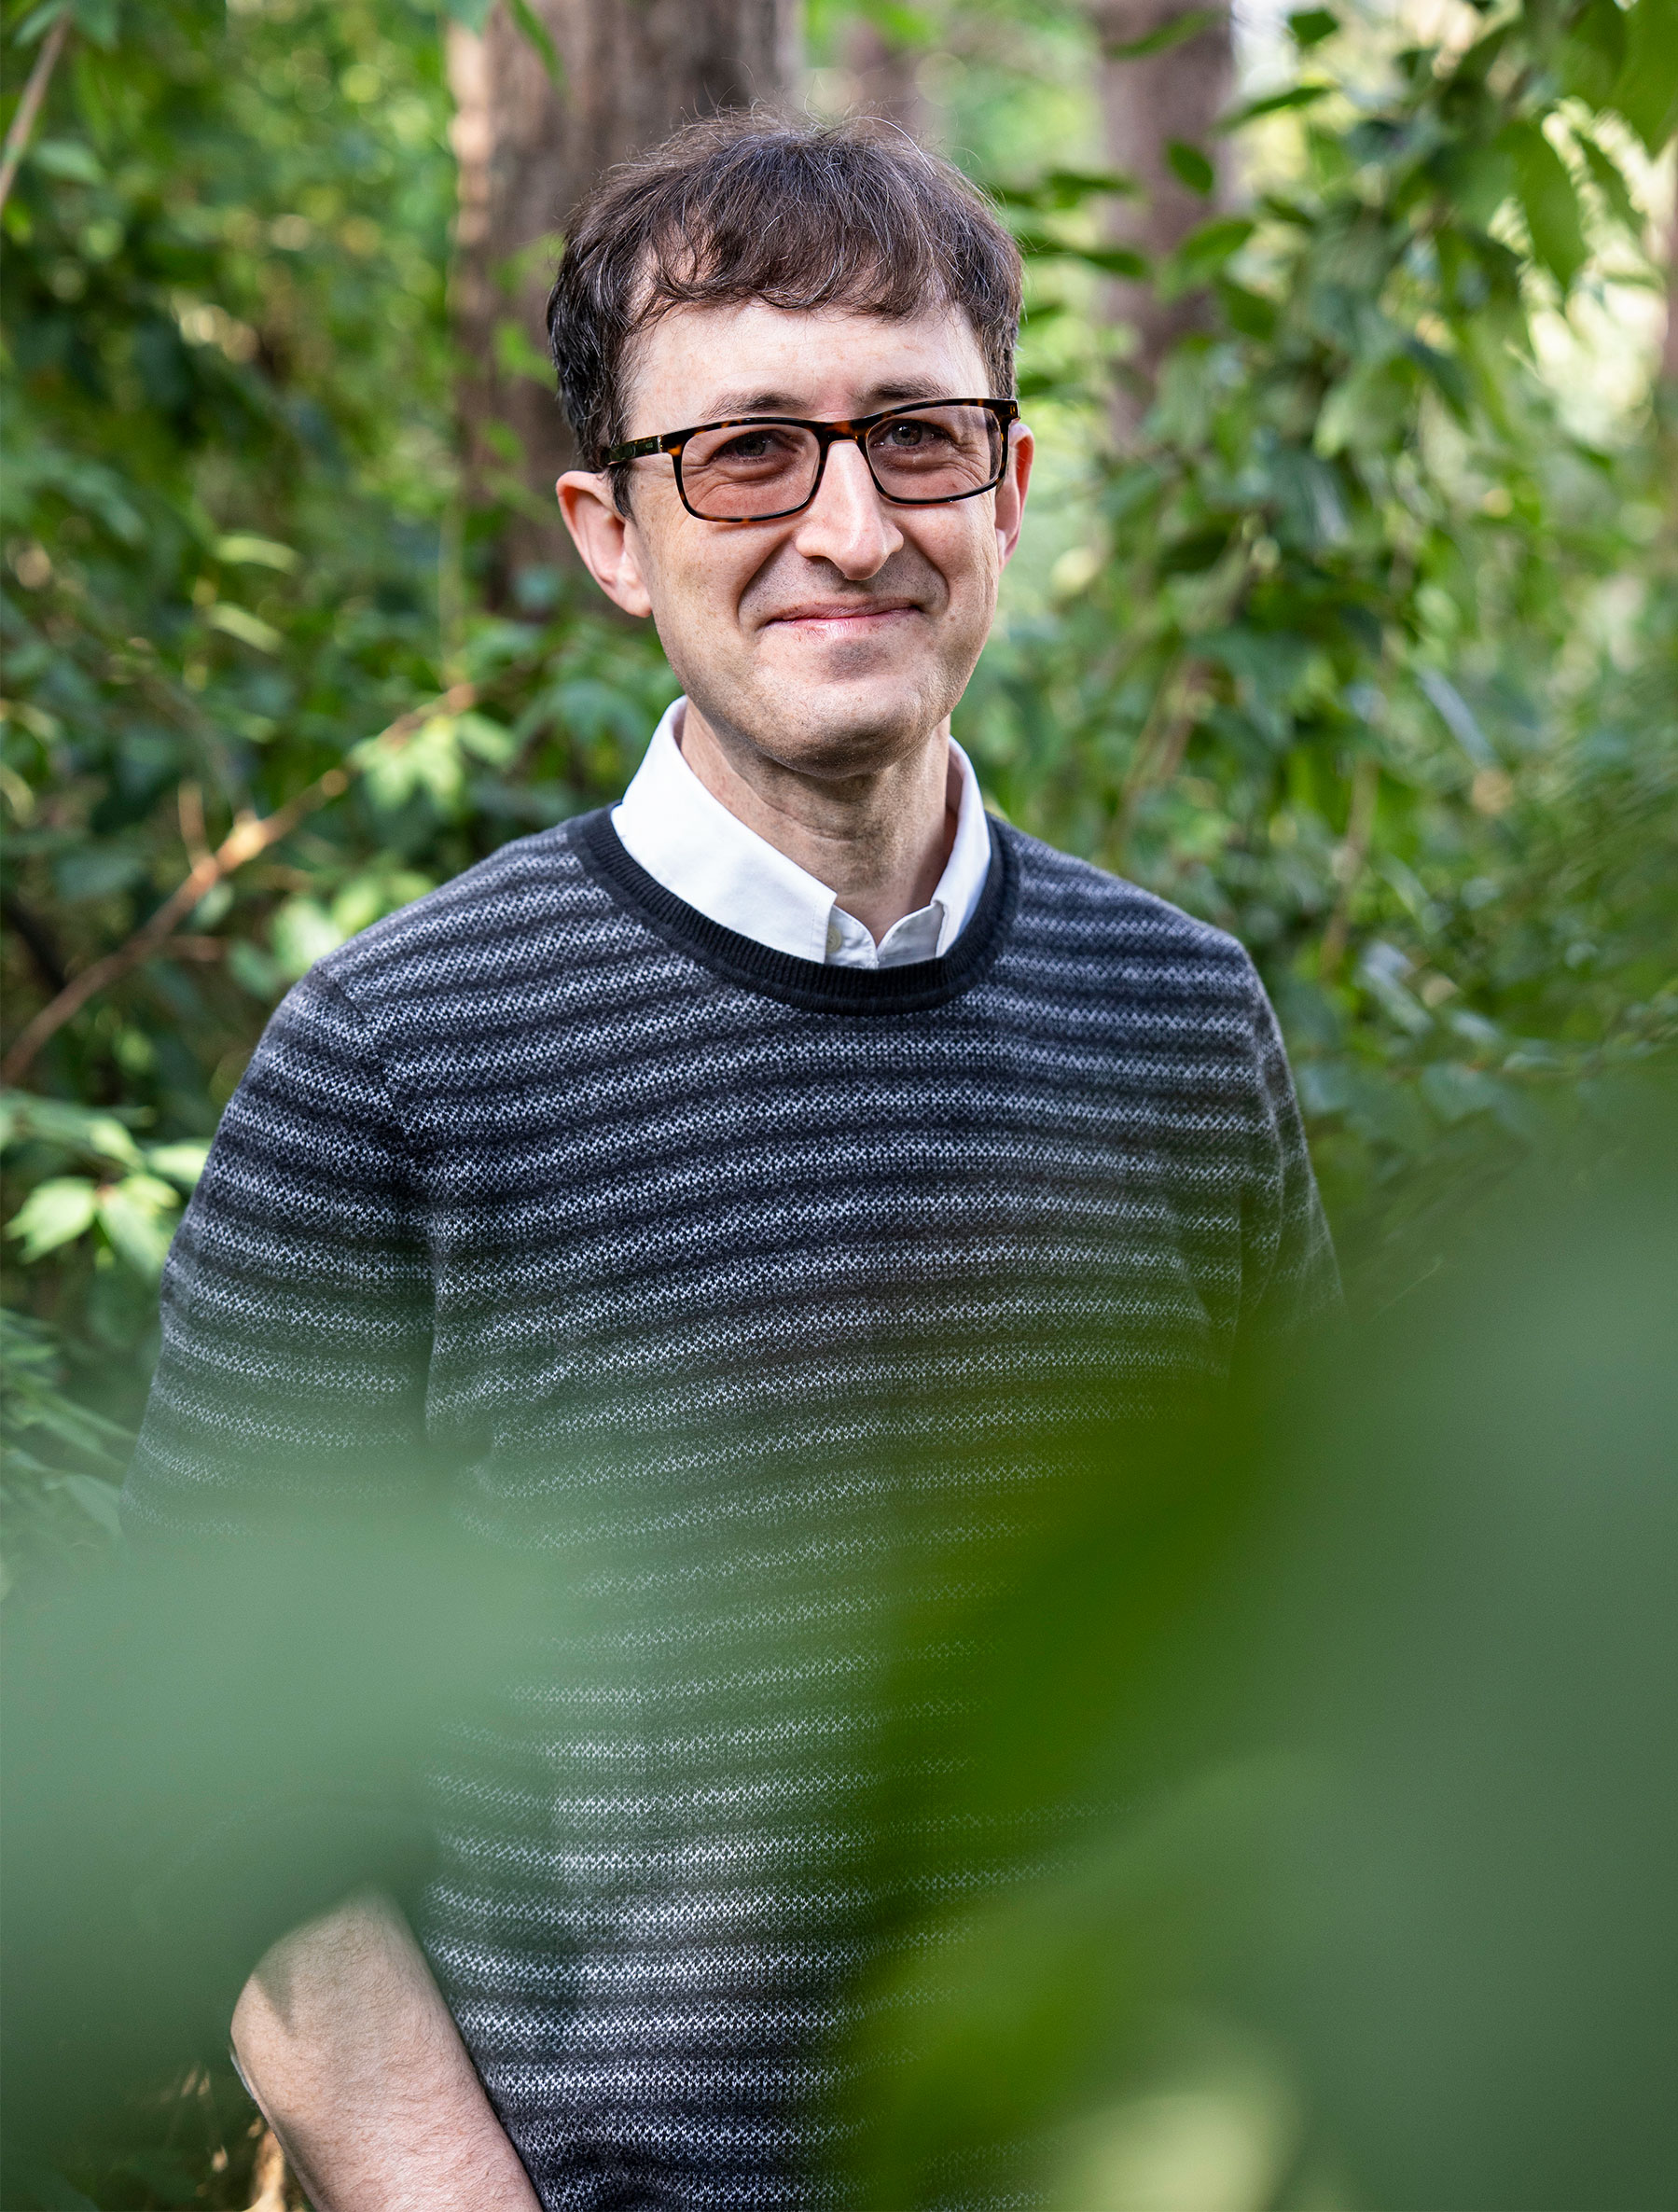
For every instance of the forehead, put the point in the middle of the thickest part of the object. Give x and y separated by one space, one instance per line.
695 364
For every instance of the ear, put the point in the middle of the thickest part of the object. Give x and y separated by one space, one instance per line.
1010 492
607 540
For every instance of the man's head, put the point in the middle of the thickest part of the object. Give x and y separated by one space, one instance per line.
750 267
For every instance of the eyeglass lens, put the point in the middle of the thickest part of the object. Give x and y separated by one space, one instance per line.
924 455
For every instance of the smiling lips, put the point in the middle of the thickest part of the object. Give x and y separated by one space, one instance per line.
845 611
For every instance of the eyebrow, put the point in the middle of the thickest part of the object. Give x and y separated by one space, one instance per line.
745 401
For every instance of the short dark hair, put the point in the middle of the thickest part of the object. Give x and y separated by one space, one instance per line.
800 214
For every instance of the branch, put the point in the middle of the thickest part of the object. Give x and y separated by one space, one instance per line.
249 836
34 92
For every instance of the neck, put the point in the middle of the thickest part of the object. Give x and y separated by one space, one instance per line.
880 841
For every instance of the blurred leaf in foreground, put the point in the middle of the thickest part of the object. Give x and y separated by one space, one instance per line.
1338 1734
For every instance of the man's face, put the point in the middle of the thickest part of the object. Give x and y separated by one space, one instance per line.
835 640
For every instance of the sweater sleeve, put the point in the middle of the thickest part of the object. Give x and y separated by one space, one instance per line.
1289 1276
296 1300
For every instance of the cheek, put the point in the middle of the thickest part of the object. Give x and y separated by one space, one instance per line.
971 566
691 578
961 544
713 569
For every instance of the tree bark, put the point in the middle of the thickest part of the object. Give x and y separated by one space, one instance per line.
884 73
527 150
1146 103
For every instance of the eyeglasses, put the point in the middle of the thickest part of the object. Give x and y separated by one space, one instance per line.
756 468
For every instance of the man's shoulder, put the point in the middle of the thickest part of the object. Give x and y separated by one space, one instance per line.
530 900
1071 910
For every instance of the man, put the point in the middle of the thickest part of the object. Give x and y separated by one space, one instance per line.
670 1172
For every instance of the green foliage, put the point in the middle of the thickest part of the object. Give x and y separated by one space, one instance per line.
1338 666
1333 1730
1346 662
236 556
1358 648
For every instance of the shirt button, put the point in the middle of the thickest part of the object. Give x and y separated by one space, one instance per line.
836 936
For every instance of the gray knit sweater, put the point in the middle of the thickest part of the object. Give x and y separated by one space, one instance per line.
649 1243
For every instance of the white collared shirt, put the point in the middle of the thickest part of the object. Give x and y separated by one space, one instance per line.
690 841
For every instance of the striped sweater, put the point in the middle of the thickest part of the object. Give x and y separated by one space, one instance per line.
651 1244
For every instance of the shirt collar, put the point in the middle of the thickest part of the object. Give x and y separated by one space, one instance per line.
687 840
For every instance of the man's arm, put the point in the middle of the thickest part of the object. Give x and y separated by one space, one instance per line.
346 2044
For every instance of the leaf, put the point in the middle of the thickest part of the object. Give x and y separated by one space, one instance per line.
182 1162
1447 375
54 1214
1203 253
1455 1090
365 899
1606 175
250 630
88 1433
68 159
1268 662
57 1122
1547 201
1368 410
515 355
242 551
1593 53
303 932
1311 26
1477 178
1274 104
1458 717
96 19
489 740
473 14
1647 92
1072 186
1175 32
1113 261
38 24
100 1501
536 31
1189 165
1065 188
137 1215
96 872
1324 1087
1250 312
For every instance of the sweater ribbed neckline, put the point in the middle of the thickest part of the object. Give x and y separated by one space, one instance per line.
808 984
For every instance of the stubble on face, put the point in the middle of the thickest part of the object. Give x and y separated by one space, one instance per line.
838 644
843 696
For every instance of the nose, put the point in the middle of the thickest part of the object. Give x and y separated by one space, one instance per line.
848 525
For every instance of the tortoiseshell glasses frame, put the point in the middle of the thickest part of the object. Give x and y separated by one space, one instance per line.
796 458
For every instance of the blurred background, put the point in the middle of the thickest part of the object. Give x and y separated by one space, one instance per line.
1346 614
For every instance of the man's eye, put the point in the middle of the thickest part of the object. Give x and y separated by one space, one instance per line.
907 436
749 446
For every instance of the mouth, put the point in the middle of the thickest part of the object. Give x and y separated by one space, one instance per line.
847 618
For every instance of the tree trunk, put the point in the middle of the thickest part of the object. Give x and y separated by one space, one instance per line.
884 73
1147 102
528 151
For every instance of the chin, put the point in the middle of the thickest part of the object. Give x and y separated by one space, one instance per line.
851 727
